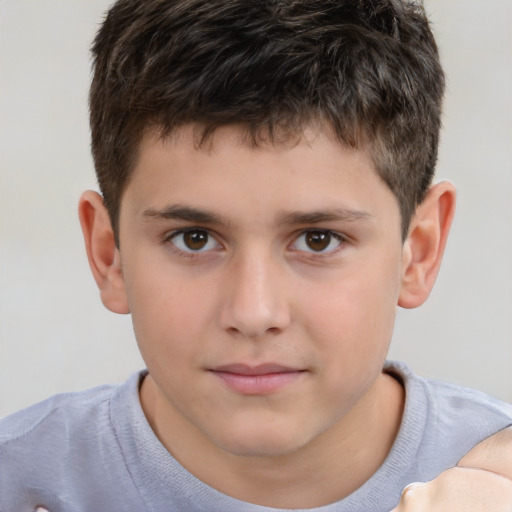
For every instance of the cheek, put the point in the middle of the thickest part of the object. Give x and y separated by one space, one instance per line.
358 313
168 314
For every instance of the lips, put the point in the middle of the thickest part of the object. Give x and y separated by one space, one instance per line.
257 380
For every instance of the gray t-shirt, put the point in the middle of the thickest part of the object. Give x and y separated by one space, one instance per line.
94 451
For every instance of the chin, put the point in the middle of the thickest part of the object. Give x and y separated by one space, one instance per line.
263 442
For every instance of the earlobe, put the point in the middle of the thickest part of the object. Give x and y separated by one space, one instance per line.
103 255
425 244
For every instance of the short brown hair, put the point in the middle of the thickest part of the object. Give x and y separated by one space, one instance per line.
368 68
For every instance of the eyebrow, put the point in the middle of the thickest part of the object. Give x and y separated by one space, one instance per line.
317 216
197 215
186 213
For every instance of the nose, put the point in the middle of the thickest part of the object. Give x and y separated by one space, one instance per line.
255 300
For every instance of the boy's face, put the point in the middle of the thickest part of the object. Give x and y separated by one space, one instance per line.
262 283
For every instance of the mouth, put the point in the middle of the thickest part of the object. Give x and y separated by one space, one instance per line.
262 379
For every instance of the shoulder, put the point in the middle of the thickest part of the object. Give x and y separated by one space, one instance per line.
446 421
61 428
59 410
473 409
452 403
57 451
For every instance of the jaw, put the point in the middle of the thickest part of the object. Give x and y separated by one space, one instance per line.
263 461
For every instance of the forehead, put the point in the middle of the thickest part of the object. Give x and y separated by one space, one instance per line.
227 171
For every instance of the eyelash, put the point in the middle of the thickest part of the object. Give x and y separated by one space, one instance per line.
191 254
341 239
201 253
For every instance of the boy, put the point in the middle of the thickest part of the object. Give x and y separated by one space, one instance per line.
266 174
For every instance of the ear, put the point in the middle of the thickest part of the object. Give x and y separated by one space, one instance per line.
425 244
104 257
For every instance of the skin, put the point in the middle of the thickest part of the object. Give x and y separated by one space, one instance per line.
289 255
481 482
459 489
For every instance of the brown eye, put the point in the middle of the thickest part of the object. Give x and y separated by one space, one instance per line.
194 240
318 240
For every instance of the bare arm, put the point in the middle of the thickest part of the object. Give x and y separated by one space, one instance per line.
493 454
481 482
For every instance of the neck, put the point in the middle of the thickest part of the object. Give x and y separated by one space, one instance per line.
327 469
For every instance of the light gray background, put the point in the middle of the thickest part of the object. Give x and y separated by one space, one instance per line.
54 333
